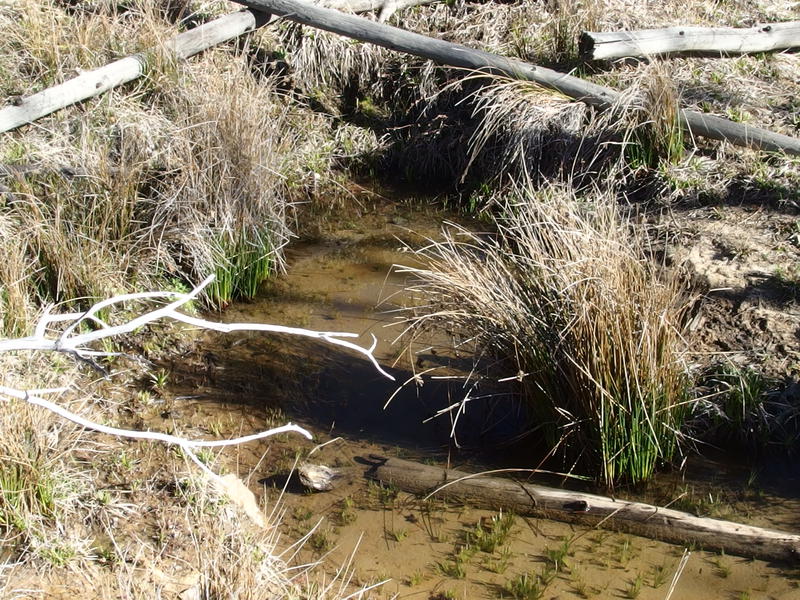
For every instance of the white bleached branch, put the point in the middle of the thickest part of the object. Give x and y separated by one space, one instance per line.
48 338
77 343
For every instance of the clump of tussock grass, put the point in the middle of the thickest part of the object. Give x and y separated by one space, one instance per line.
189 172
524 130
43 494
746 409
331 69
564 293
223 204
655 131
557 37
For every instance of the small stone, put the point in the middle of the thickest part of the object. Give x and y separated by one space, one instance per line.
318 477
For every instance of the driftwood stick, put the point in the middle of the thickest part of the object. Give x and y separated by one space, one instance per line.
98 81
588 509
458 55
715 40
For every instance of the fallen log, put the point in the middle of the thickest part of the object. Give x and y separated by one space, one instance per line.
458 55
587 509
716 40
98 81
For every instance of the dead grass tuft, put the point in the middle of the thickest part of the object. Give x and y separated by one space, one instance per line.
565 294
522 129
43 495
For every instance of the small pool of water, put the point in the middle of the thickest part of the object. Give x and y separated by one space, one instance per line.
345 281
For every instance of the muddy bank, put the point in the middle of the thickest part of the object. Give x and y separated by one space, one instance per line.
343 280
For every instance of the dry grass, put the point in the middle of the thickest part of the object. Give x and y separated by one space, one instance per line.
189 171
44 497
654 134
565 295
522 127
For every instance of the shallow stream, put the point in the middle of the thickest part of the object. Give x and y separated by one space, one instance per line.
344 281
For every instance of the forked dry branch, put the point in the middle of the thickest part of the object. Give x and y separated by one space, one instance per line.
70 341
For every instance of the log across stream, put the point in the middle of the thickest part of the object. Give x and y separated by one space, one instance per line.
587 509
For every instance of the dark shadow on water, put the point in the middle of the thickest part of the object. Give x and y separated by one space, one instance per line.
341 394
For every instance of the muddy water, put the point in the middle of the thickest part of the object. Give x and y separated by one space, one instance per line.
344 281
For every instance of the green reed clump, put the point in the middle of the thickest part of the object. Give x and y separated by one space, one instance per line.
564 293
241 266
745 408
657 134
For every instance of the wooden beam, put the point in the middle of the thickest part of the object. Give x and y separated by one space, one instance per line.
587 509
98 81
708 40
458 55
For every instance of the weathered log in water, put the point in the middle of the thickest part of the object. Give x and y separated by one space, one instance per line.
717 40
458 55
587 509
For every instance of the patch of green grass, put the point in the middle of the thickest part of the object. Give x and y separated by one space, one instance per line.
499 564
455 568
739 413
526 586
415 578
634 587
346 513
320 541
723 567
737 114
557 557
659 574
398 535
242 264
159 380
385 495
487 536
57 555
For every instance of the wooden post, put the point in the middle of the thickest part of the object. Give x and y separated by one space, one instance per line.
587 509
708 40
98 81
458 55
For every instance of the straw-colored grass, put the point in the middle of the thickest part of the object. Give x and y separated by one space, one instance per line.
565 295
189 171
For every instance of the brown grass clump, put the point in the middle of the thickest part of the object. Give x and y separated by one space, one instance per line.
522 128
44 497
656 131
565 294
191 171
